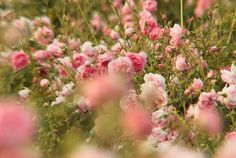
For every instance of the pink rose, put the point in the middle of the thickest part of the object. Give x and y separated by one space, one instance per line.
42 55
16 124
207 100
55 49
43 35
229 76
202 6
104 59
197 84
19 60
88 49
138 60
176 33
231 136
150 5
78 60
121 66
227 96
137 123
181 64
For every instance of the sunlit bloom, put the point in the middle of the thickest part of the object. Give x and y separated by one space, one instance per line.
227 96
229 76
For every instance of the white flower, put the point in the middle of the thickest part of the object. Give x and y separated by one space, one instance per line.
24 93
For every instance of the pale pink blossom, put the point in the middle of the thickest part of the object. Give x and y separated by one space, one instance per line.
55 48
137 123
44 82
121 66
227 96
153 95
43 35
176 33
74 44
16 124
229 76
88 49
202 6
150 5
19 60
42 55
231 136
207 100
100 90
227 150
156 79
197 84
181 63
114 35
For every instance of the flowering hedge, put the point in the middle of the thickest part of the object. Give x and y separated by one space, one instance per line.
122 78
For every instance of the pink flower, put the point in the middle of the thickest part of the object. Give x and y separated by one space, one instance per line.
100 90
150 5
229 76
14 153
42 55
231 136
88 72
43 35
227 150
74 44
153 93
202 6
19 60
156 79
155 34
126 9
121 66
176 33
210 120
88 49
16 124
78 60
138 60
104 59
114 35
137 123
227 96
207 100
55 49
181 64
117 3
44 82
197 84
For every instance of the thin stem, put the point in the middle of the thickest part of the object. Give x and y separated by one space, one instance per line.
181 13
232 27
89 26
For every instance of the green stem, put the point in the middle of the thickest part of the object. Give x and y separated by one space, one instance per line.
232 28
181 13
